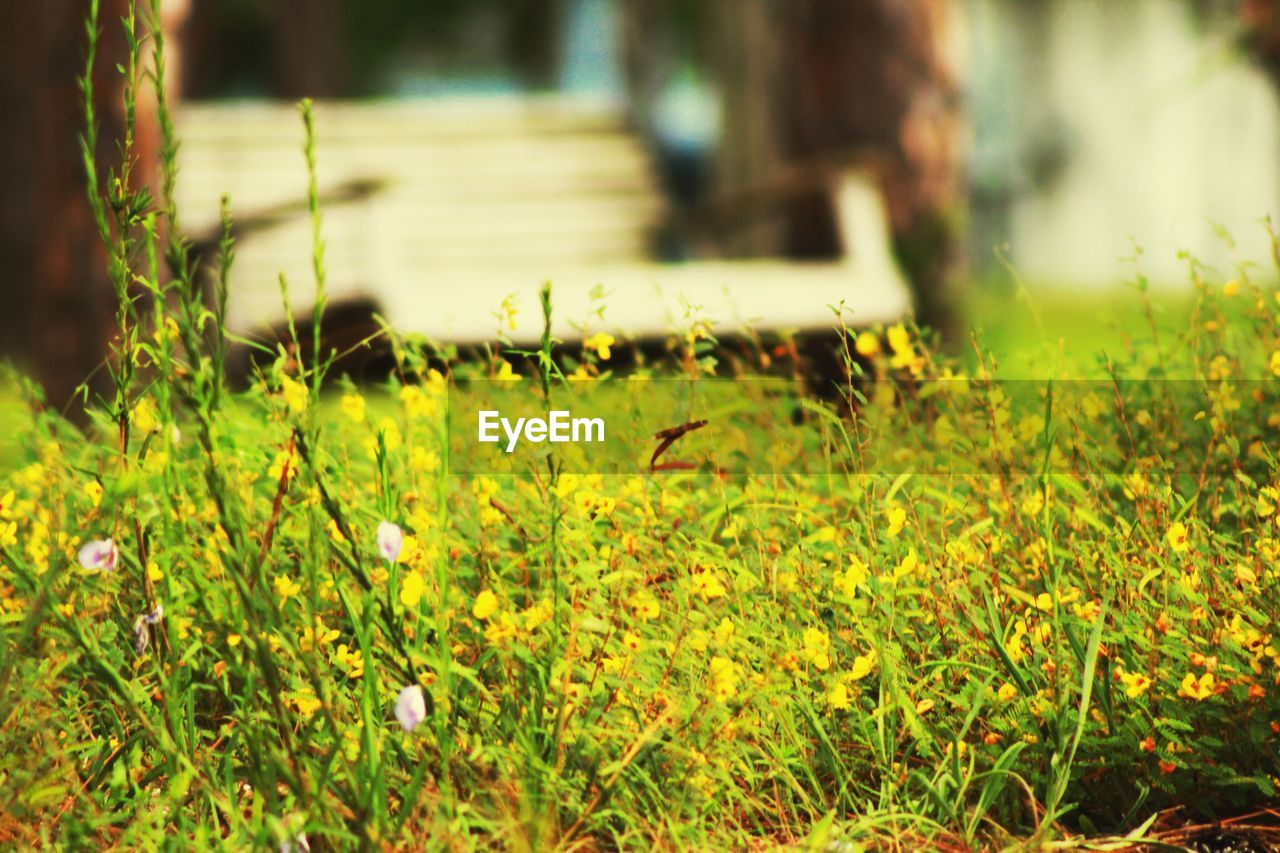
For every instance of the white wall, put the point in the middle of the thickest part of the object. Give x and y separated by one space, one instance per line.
1159 128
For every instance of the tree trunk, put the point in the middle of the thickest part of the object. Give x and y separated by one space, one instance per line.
310 62
53 282
1260 25
813 86
872 79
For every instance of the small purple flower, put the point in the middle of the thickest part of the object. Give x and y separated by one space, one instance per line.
390 540
100 554
411 707
142 628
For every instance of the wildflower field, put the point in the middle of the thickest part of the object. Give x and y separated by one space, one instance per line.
945 606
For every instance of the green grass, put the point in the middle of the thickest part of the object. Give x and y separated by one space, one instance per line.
801 652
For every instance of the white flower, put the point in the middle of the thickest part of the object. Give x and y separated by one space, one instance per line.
411 707
298 844
99 554
390 539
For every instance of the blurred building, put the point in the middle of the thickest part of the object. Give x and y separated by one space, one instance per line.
1100 124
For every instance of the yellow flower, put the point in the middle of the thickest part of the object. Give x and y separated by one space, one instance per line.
1231 288
426 461
644 606
1178 537
924 706
411 588
904 351
506 373
1197 689
897 520
1268 500
1136 486
143 416
485 605
847 582
286 587
862 666
838 698
501 629
295 394
899 338
409 548
486 487
350 659
724 632
817 648
285 460
1007 692
723 673
867 345
1135 683
390 434
416 403
93 490
316 636
1275 363
709 586
353 407
907 566
537 614
8 534
306 704
600 342
508 311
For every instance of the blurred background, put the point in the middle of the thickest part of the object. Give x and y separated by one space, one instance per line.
783 154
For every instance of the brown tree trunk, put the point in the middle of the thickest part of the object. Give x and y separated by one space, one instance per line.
872 82
1260 24
53 283
812 86
309 58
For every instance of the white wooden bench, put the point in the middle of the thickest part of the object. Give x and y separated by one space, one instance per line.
474 200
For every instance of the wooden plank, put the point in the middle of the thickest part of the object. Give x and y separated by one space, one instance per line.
480 200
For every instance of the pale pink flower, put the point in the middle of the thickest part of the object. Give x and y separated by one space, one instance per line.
411 707
100 554
390 540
